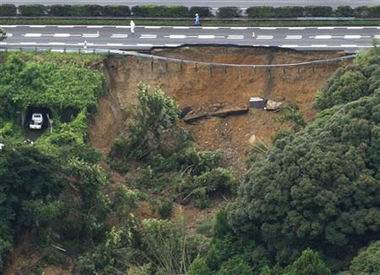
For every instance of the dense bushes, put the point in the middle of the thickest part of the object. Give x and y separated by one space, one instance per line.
160 11
183 12
8 10
228 12
32 10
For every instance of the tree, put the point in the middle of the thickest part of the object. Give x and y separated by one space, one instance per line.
367 261
199 267
308 263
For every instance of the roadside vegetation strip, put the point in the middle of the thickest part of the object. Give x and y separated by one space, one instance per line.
189 22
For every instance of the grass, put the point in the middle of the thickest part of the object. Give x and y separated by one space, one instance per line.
188 22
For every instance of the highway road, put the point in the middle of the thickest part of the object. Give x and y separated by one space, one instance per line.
145 37
209 3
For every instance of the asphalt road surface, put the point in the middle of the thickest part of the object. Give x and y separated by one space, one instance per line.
209 3
349 39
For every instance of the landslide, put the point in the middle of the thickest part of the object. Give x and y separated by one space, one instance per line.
204 86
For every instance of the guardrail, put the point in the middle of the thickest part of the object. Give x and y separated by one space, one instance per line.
153 58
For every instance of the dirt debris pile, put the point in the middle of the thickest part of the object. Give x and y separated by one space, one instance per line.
202 88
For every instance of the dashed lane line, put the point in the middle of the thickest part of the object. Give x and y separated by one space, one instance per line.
239 28
144 45
152 27
66 27
177 36
326 28
32 35
61 35
37 26
148 36
206 36
352 36
235 37
115 44
181 28
90 35
293 37
119 35
210 28
264 37
95 27
322 37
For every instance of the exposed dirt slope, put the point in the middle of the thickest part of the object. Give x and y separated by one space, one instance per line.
203 86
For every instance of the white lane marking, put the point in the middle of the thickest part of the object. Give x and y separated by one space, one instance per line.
148 36
206 36
9 34
326 28
296 28
95 27
93 35
88 44
28 43
355 28
319 46
57 43
172 45
33 35
122 27
352 36
115 44
239 28
293 37
267 28
181 28
349 46
210 28
177 36
264 37
8 26
65 26
119 35
3 43
61 35
322 37
152 27
144 45
37 26
289 46
235 37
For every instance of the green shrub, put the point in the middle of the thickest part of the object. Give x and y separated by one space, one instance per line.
235 265
160 11
165 208
261 12
308 263
228 12
344 11
8 10
346 85
289 11
202 11
60 10
32 10
367 12
367 261
199 267
116 11
318 11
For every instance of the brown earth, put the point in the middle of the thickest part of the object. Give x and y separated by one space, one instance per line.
203 86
